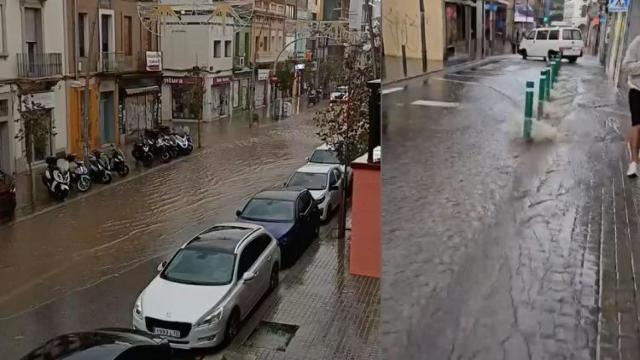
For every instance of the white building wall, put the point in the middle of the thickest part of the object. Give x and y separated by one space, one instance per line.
53 41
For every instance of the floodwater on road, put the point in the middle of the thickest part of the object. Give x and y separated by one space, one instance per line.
491 245
82 265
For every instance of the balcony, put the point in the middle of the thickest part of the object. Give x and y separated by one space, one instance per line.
39 65
268 56
114 62
268 7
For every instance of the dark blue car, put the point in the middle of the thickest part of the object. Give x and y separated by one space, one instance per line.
289 214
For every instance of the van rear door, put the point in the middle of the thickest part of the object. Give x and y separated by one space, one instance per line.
571 44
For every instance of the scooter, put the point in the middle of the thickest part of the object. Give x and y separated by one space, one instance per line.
117 162
99 168
79 174
183 143
56 177
312 99
142 152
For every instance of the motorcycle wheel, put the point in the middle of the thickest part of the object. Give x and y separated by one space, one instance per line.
188 150
147 160
83 184
165 157
106 178
173 153
123 170
61 194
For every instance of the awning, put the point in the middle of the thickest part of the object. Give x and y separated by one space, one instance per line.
142 90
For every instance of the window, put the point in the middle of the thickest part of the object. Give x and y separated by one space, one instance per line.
127 29
105 32
583 12
82 34
237 47
542 34
269 210
553 35
33 32
248 257
227 48
291 11
566 34
262 243
576 35
304 201
3 29
273 42
182 106
146 36
217 49
265 44
307 180
4 107
199 266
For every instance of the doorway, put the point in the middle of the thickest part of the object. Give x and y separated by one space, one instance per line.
5 161
107 122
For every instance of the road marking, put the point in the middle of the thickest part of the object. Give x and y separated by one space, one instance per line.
436 103
471 76
391 90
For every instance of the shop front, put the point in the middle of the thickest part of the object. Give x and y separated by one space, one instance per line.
139 106
220 97
261 88
181 91
460 22
240 91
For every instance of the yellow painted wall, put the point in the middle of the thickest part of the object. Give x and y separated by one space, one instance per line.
75 120
401 26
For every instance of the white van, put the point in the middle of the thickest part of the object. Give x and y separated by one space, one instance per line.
549 41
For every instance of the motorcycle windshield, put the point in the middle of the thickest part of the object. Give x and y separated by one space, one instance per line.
63 165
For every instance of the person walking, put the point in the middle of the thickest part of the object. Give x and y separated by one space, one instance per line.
631 64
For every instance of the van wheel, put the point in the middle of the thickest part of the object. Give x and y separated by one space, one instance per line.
523 52
573 59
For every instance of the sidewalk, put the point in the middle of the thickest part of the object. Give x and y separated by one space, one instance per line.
320 311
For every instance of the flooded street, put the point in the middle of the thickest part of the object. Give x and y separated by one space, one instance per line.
81 265
510 248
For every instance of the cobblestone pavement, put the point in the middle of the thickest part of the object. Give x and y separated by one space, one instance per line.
336 313
508 250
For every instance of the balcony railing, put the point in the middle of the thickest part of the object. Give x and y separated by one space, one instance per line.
39 65
112 62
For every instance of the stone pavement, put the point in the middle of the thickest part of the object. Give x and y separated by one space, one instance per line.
330 313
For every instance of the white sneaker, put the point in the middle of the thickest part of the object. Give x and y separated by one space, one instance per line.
633 170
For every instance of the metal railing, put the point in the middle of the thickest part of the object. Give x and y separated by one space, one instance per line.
117 62
39 65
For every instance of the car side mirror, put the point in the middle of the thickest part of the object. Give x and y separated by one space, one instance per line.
248 276
162 265
238 212
334 187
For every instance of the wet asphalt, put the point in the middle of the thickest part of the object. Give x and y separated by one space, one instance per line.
490 248
81 265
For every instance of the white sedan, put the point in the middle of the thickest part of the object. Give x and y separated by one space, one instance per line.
326 156
323 182
202 294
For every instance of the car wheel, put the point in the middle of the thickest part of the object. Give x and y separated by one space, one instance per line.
233 326
572 60
275 278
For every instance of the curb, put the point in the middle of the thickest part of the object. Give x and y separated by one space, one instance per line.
447 70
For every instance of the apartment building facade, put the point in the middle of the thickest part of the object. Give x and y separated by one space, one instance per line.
108 42
202 41
31 73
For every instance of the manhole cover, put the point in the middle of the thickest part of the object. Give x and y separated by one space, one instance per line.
270 335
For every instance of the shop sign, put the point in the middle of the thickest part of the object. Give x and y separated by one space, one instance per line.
263 74
184 80
299 66
154 61
44 100
221 80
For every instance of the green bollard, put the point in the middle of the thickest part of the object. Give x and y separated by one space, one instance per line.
528 110
542 90
547 94
552 79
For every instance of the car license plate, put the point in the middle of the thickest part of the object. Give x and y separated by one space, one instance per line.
166 332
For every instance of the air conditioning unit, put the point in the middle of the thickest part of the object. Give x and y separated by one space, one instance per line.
240 61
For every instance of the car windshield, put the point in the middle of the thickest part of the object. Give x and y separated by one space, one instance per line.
200 266
269 210
324 157
310 181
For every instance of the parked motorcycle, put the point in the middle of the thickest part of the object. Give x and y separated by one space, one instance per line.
56 177
80 178
117 162
184 143
99 167
142 151
159 145
313 98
